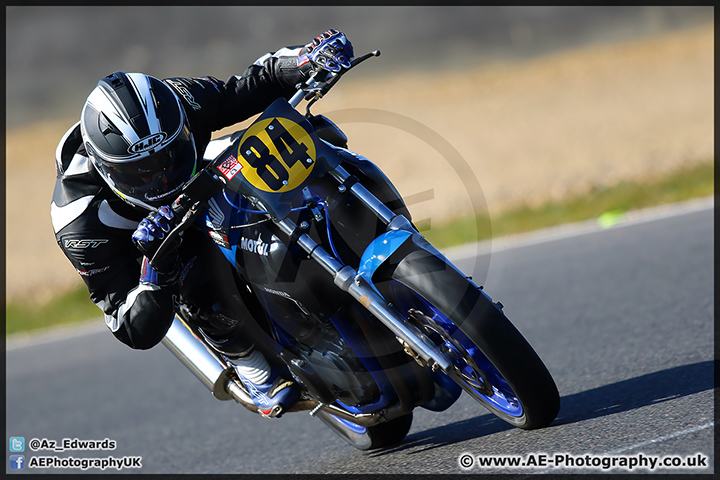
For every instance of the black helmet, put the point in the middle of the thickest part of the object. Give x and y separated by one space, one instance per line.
136 134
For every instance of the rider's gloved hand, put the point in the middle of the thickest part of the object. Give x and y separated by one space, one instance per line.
331 51
147 238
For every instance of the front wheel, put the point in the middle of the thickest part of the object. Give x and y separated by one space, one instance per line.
491 360
367 438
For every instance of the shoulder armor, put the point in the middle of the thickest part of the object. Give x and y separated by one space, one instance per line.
67 148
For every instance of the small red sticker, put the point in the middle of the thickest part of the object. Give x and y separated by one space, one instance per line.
230 167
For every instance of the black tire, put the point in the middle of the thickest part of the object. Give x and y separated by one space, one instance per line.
440 287
368 438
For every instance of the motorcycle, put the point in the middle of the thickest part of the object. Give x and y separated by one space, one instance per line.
348 297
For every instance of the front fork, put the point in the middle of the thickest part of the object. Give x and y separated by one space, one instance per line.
348 279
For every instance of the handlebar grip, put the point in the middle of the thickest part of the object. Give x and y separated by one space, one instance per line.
181 205
200 188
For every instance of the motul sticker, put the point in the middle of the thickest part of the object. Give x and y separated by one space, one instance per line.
230 167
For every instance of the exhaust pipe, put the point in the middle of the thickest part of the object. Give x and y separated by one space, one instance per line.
218 376
206 364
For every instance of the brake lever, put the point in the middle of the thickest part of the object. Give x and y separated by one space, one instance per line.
320 89
187 205
188 214
355 62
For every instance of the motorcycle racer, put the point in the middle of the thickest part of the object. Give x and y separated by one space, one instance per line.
138 141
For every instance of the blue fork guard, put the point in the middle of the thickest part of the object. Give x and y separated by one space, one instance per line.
380 250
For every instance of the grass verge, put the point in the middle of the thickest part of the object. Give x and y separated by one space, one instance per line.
604 204
71 307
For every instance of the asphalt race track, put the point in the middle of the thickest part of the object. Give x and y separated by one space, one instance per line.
622 316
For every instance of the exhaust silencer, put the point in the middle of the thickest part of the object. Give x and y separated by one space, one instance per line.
186 343
211 369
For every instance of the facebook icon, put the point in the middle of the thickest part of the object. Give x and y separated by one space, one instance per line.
17 462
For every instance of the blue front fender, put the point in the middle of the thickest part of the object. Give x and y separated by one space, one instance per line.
379 251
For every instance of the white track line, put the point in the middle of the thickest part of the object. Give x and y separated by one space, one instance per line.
661 439
53 334
16 341
550 234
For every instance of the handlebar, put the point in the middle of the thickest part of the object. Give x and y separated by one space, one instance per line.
196 192
314 89
205 184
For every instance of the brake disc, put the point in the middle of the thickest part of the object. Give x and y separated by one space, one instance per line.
475 378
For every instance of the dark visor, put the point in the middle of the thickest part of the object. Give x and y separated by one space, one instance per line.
152 178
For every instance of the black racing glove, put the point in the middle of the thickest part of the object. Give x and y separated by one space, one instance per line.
331 51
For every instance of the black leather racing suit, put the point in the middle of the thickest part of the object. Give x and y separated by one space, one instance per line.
93 226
